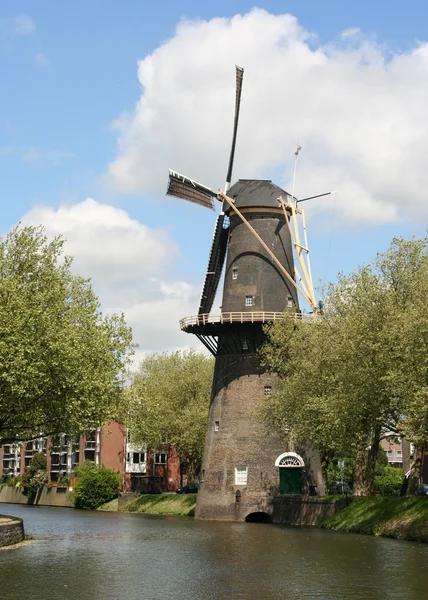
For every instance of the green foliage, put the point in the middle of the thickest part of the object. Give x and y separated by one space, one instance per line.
95 486
362 367
382 459
405 518
163 504
168 402
336 474
63 362
388 480
65 480
35 476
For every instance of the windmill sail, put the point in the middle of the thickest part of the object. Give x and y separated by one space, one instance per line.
183 187
239 78
215 265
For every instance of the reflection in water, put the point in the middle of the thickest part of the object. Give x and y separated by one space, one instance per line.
99 556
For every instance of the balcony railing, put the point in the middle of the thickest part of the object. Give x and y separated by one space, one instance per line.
239 317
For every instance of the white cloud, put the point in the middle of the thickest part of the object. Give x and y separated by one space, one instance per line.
41 59
129 264
34 154
359 111
20 26
6 150
16 26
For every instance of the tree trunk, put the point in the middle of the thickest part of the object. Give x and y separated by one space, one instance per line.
371 462
415 472
360 464
325 456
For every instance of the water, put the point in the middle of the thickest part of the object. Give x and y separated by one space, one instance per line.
81 555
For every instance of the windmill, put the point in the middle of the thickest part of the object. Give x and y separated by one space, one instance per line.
259 229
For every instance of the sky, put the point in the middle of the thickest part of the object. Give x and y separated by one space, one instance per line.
99 99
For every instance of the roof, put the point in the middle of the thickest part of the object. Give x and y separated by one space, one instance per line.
255 192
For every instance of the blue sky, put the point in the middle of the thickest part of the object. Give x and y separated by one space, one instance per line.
71 129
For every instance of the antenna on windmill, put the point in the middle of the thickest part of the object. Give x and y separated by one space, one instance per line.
296 154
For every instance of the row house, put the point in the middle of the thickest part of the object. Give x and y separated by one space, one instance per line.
398 452
141 470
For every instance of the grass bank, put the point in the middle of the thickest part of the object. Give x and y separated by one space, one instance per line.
163 504
404 518
110 506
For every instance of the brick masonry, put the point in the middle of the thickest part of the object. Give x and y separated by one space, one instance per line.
304 511
243 439
11 531
252 282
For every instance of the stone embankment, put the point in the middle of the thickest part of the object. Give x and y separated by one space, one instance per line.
11 531
56 496
295 510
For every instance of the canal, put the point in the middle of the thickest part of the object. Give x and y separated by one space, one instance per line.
81 555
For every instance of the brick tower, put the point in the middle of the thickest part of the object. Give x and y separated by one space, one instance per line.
245 465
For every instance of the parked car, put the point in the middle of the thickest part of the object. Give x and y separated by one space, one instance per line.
191 488
423 489
340 487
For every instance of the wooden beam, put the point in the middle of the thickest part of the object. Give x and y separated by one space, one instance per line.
307 246
295 238
265 246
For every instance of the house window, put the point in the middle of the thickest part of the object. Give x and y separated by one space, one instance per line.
267 390
216 425
160 458
399 453
290 302
235 273
389 452
241 475
138 457
249 300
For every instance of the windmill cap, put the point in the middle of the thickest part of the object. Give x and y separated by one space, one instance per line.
255 193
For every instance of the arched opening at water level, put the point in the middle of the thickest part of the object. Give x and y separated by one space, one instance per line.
258 517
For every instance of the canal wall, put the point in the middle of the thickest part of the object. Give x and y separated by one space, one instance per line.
290 510
11 530
56 496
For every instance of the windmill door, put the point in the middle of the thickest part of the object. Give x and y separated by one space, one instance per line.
290 481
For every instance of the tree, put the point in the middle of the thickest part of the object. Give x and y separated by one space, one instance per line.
63 363
169 399
361 368
35 476
405 268
95 486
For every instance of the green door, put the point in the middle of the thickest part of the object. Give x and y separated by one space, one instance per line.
290 481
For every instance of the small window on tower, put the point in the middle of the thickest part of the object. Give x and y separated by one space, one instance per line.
216 425
267 390
241 475
289 302
249 300
235 273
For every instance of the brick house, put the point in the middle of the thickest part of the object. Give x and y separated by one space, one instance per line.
141 470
